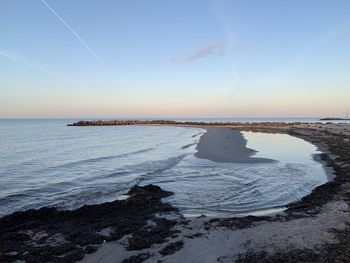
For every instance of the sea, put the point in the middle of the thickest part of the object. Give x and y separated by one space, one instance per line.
44 162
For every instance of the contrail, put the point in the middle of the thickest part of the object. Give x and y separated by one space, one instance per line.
71 30
17 57
26 61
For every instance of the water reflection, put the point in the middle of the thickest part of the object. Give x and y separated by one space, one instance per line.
282 147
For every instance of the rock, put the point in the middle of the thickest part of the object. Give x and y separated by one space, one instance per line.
172 248
67 231
137 258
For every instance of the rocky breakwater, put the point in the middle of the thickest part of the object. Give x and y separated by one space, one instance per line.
51 235
118 122
185 123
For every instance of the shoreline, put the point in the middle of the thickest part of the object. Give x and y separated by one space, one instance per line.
309 229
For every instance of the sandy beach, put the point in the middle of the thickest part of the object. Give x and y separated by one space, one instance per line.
143 228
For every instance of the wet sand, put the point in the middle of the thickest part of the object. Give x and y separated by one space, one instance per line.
226 145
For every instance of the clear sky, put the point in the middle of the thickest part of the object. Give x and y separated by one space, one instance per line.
183 58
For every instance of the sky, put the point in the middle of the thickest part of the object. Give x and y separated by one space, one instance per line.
184 58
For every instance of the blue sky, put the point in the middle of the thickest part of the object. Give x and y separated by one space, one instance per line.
112 59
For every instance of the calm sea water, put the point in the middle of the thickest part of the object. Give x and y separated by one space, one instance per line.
46 163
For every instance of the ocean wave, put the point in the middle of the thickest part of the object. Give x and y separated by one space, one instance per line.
147 169
13 197
99 159
188 145
163 165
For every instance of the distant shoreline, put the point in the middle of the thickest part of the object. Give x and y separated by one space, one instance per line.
334 119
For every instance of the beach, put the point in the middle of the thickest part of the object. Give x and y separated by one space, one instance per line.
143 227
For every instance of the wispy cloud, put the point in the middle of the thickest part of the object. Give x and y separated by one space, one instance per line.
71 30
210 48
29 62
219 47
